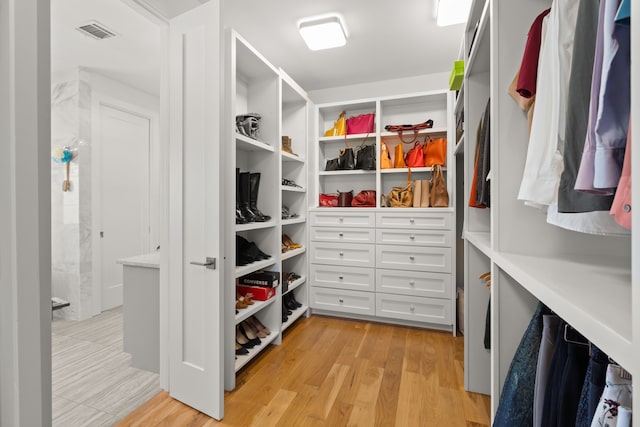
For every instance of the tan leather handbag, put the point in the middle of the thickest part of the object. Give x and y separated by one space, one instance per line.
439 193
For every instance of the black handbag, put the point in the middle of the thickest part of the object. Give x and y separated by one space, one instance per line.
366 157
332 165
346 160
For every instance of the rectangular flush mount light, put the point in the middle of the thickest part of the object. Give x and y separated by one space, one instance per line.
323 31
452 12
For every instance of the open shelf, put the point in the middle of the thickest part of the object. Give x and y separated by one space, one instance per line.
479 58
286 157
292 189
244 143
242 360
296 283
245 313
298 220
255 225
481 240
406 170
592 293
347 172
295 315
347 137
254 266
293 252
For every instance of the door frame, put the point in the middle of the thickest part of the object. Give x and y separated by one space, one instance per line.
97 101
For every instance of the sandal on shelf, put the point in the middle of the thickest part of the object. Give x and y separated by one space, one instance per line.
290 183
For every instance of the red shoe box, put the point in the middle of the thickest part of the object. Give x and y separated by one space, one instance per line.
259 293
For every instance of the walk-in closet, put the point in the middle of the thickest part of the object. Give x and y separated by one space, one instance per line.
426 223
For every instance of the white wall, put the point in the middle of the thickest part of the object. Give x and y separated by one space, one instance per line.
427 82
73 93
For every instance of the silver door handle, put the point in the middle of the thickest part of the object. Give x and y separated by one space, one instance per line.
210 263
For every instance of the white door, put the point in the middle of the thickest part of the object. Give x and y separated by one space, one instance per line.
123 176
195 291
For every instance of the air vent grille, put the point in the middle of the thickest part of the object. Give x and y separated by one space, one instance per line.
96 30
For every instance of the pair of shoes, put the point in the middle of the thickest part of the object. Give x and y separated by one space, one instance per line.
288 244
256 325
285 314
248 252
286 214
247 188
289 301
252 330
290 183
290 277
243 301
246 339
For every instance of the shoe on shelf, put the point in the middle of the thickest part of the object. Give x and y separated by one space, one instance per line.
250 327
242 340
286 214
290 183
294 301
249 335
240 350
284 314
286 240
258 325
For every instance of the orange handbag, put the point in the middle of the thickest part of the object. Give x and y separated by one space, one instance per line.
415 156
435 152
385 157
398 161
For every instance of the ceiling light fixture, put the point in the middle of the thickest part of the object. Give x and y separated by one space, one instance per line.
452 12
323 31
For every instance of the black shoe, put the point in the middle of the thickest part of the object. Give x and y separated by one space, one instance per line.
294 301
254 187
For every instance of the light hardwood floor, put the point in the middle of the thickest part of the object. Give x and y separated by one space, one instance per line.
337 372
92 378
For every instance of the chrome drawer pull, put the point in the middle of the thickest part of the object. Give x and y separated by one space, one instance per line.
340 277
412 220
340 300
412 308
412 258
341 219
412 282
341 253
340 234
412 237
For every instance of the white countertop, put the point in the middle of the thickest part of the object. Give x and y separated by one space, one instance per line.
151 260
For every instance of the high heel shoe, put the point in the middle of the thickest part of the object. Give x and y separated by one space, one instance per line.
240 350
249 335
259 325
286 240
242 340
248 326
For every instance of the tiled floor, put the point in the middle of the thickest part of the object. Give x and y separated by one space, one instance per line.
93 382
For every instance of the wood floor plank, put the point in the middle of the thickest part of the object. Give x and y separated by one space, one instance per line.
338 372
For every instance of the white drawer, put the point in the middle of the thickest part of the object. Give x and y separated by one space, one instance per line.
353 278
416 258
332 218
414 308
432 220
416 236
343 301
347 235
348 254
418 283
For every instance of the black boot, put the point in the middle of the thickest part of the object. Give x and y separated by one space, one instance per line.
240 219
253 197
244 198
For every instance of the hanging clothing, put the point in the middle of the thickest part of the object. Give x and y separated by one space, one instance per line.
617 394
603 155
551 397
623 17
515 407
621 208
525 104
544 160
570 200
528 74
547 343
599 222
593 386
483 190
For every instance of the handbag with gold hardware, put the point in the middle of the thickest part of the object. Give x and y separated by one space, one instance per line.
439 193
402 197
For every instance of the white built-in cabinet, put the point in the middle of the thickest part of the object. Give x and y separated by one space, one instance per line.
253 85
394 265
585 279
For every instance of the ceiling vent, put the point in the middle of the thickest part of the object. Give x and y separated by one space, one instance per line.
96 30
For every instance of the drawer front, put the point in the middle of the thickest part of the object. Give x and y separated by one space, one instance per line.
343 301
347 235
418 283
342 218
414 308
416 236
340 277
348 254
431 220
415 258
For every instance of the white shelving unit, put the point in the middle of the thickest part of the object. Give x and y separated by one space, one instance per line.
585 279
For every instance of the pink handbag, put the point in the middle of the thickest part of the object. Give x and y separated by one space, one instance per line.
360 124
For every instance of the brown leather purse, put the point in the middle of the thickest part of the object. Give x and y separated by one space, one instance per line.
439 193
345 198
402 197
